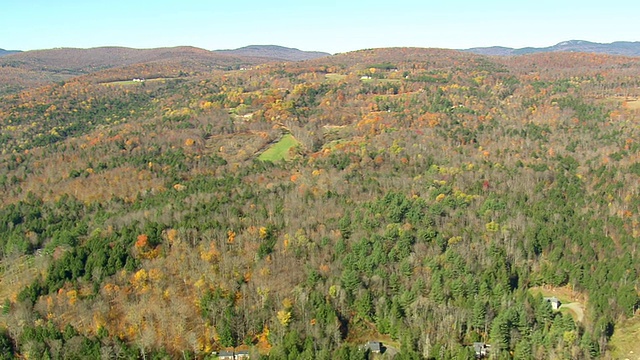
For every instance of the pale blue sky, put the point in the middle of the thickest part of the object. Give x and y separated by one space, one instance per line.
331 25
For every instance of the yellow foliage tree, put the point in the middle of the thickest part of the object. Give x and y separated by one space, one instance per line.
231 236
172 235
284 317
139 279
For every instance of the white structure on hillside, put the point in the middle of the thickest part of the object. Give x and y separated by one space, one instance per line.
554 301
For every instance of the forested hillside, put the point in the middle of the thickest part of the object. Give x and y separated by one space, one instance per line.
30 69
275 52
428 199
626 48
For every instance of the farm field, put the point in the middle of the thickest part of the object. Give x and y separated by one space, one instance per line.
140 82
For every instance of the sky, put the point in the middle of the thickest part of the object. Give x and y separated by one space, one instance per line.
332 26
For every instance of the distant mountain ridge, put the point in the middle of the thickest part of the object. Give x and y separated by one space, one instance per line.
77 61
626 48
39 67
274 52
23 69
8 52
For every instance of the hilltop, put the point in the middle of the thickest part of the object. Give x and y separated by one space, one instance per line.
39 67
73 62
8 52
274 52
22 70
625 48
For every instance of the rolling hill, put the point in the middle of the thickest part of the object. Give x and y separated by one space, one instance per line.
418 197
35 68
4 52
625 48
21 70
274 52
73 62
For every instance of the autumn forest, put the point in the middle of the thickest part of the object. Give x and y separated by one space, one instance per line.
425 199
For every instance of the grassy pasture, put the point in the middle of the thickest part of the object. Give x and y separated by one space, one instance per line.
131 82
625 342
374 80
279 150
632 104
335 77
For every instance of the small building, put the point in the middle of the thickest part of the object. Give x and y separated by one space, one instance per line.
373 346
481 349
554 301
233 354
225 354
242 354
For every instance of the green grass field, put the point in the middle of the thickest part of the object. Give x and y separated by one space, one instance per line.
625 342
335 77
374 80
279 150
131 82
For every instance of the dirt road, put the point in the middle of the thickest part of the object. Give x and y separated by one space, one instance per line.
576 308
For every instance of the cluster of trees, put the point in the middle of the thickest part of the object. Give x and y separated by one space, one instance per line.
426 206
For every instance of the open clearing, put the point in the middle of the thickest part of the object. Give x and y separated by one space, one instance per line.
628 102
632 104
375 80
131 82
391 347
335 77
625 342
572 301
565 294
279 150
